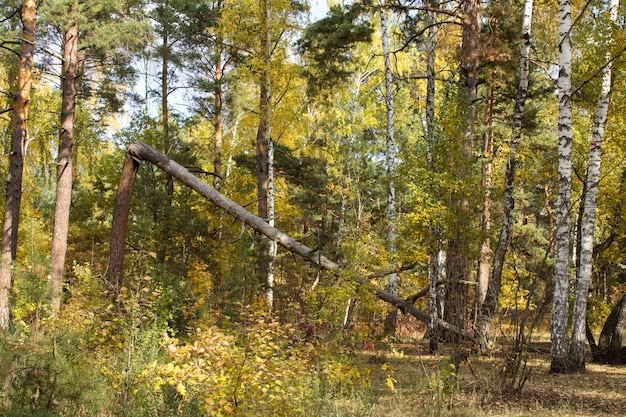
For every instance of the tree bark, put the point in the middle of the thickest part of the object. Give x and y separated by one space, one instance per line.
457 267
121 210
19 136
559 351
267 254
437 257
488 307
63 199
218 124
486 254
391 167
140 151
579 315
610 342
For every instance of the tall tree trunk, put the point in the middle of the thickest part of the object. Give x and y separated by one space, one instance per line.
64 168
219 116
19 135
558 338
391 168
437 257
579 316
484 263
262 150
457 267
483 325
166 53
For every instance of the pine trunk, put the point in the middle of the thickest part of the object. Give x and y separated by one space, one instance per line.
457 267
19 136
488 307
65 167
559 351
437 258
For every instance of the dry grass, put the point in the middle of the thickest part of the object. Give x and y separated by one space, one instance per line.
421 390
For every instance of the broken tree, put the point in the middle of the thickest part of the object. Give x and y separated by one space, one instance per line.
139 151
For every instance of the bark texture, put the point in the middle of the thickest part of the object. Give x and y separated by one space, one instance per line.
391 165
579 315
121 210
19 136
457 267
488 307
63 199
558 337
610 348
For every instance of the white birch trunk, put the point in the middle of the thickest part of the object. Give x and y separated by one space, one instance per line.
271 206
390 151
558 338
579 317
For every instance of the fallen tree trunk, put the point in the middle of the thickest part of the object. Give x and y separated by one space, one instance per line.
140 151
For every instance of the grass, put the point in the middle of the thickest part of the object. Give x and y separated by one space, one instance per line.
426 385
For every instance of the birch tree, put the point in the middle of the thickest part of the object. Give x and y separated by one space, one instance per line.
579 316
390 162
558 337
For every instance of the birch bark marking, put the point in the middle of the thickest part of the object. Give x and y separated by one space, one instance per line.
579 316
391 163
19 135
495 281
64 168
271 201
558 335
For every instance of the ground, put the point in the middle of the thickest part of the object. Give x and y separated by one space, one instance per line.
426 385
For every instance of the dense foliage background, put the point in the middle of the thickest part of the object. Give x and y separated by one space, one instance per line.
197 328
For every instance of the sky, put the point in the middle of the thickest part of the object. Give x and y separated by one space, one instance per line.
318 9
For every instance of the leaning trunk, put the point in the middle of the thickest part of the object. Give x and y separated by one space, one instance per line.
64 168
19 136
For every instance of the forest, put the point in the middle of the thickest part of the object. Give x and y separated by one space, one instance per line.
251 208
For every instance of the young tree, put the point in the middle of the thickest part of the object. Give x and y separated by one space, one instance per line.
19 136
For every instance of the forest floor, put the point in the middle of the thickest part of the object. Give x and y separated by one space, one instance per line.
426 385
